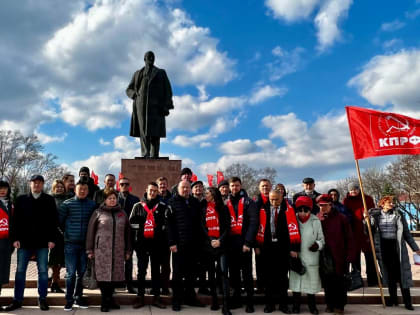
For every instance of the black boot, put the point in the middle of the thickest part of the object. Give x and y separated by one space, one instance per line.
226 293
407 299
312 304
55 288
296 303
236 301
393 298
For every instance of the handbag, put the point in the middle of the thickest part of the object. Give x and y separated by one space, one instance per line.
354 280
297 266
89 279
326 262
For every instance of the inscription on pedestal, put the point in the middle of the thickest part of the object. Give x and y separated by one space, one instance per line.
142 171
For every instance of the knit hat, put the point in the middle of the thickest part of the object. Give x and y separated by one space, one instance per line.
186 170
223 183
84 169
196 183
308 180
353 186
304 201
323 199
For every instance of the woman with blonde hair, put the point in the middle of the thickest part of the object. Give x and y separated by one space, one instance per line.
390 234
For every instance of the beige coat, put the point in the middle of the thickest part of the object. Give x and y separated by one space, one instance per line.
108 237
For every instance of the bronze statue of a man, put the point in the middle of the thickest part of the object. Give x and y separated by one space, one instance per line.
151 93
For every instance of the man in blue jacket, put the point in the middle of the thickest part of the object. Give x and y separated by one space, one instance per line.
74 215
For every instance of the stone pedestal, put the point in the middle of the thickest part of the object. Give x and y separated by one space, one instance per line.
142 171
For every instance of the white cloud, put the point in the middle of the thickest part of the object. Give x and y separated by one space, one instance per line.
392 26
391 79
329 14
286 62
327 19
44 138
237 147
266 92
83 58
103 142
392 43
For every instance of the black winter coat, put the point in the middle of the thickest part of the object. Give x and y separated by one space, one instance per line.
250 221
138 218
127 203
184 222
35 221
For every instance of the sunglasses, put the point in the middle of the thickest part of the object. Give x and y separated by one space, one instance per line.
124 184
306 210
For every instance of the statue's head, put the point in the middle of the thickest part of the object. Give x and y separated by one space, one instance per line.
149 58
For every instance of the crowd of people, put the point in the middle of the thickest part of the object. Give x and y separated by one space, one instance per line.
210 236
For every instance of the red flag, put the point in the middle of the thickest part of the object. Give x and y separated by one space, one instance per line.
94 177
375 133
193 178
210 180
220 177
120 175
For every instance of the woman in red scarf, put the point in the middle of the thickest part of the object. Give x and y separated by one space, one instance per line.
217 225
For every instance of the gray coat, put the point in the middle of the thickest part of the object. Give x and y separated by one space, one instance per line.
403 236
149 111
310 281
5 250
108 237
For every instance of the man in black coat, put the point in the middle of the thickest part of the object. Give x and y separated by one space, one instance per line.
244 225
186 235
84 175
34 232
151 93
308 184
127 202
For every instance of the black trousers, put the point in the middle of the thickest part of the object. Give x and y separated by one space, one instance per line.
165 268
150 146
240 263
259 272
335 291
184 263
152 252
275 265
107 290
129 271
370 267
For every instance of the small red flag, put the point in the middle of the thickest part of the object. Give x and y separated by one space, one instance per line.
120 175
94 177
193 178
220 177
210 180
375 133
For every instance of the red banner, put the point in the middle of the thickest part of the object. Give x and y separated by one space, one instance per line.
220 177
94 177
375 133
120 175
193 178
210 180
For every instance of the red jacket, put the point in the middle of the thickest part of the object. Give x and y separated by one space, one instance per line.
355 205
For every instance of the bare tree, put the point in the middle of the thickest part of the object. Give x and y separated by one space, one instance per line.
250 176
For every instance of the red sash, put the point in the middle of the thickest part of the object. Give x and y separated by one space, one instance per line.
236 223
149 224
4 224
292 225
261 228
264 199
212 221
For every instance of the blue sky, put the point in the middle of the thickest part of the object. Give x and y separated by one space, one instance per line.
257 82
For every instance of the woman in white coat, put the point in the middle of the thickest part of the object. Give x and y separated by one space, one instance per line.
312 241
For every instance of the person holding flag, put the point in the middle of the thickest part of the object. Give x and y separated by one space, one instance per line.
147 221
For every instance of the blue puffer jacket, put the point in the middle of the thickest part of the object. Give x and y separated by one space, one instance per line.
74 215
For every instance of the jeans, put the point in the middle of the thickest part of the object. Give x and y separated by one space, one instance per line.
23 256
76 260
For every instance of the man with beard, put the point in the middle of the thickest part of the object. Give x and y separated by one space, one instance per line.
308 190
186 234
244 225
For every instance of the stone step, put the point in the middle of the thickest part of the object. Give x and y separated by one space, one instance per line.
360 296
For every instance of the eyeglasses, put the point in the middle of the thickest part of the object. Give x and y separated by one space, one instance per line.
306 210
124 184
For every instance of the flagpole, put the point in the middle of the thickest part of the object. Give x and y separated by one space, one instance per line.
366 215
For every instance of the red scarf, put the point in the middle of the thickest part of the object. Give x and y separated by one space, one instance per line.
212 221
236 223
149 224
264 199
304 219
261 228
292 225
4 224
